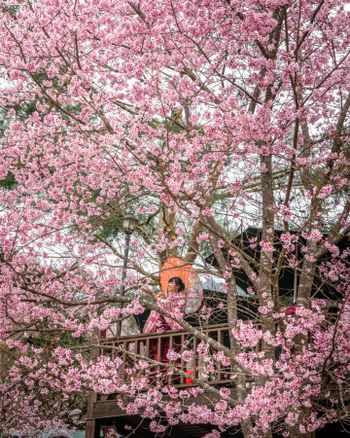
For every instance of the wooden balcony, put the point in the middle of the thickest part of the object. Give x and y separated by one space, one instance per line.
104 412
155 346
103 409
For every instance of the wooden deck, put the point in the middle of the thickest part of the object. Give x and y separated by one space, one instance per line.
103 409
153 346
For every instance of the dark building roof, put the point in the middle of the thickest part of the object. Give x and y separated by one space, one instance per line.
215 300
287 275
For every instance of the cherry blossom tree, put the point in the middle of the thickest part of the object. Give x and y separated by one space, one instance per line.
201 118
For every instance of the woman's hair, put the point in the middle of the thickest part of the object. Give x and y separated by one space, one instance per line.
179 283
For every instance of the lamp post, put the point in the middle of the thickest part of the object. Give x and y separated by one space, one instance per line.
129 224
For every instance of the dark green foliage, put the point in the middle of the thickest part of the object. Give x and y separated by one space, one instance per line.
25 110
9 182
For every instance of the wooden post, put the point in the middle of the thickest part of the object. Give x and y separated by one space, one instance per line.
90 428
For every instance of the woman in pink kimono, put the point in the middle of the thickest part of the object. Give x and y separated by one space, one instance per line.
174 304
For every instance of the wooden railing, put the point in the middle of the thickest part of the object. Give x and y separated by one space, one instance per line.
153 348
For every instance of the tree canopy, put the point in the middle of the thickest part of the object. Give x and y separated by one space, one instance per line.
202 119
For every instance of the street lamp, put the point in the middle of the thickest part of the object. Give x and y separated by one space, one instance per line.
129 224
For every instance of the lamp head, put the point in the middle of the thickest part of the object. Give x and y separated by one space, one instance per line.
129 224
